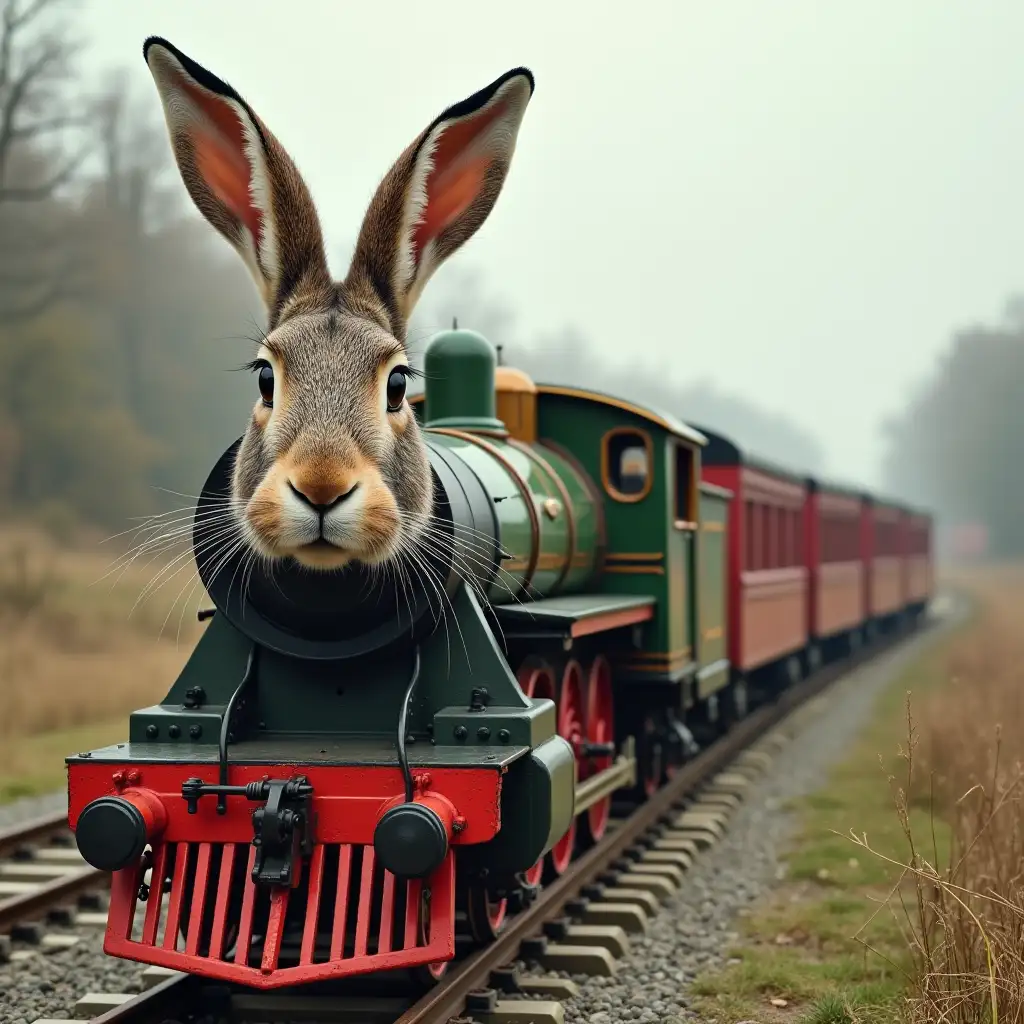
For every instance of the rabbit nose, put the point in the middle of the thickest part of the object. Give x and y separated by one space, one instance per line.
322 497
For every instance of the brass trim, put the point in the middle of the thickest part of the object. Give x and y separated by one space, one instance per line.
649 570
617 403
551 506
635 666
641 556
675 655
586 482
570 513
613 492
524 489
715 633
713 527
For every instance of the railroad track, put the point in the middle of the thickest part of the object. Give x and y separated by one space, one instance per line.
44 880
581 924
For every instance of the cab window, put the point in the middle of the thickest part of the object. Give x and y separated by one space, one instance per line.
627 464
686 488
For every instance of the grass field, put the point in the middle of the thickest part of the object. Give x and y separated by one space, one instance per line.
904 893
80 646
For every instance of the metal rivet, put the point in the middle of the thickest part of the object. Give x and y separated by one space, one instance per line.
195 731
460 732
152 731
174 732
504 735
483 733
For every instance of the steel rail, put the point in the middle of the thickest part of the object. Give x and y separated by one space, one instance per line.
32 831
180 997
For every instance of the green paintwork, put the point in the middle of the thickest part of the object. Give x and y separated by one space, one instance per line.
712 588
460 368
516 531
646 555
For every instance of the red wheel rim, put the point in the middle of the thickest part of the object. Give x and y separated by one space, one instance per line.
536 680
496 911
600 728
570 728
485 914
439 968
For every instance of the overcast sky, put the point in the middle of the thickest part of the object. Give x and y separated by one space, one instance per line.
799 199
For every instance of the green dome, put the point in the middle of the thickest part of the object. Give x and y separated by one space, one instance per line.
459 386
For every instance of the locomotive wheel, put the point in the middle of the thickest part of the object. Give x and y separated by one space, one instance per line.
570 727
427 975
536 679
599 721
485 914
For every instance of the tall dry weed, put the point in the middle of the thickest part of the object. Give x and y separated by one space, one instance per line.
962 908
76 647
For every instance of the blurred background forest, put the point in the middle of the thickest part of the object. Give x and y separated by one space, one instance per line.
122 317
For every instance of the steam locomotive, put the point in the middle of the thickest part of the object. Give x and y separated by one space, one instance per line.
353 771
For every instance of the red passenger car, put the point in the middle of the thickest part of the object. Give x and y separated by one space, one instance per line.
834 544
883 539
768 624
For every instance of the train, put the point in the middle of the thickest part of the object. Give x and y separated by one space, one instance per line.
448 629
351 776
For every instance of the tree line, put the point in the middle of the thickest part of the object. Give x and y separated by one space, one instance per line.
122 315
958 444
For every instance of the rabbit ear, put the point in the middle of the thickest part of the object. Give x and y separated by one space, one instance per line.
240 178
438 193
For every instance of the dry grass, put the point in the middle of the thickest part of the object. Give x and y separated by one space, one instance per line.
961 904
79 649
924 923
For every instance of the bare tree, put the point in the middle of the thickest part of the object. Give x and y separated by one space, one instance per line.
38 52
136 198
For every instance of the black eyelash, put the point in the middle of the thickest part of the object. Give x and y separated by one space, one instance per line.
255 364
410 373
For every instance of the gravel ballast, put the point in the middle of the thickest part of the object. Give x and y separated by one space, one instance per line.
695 929
691 934
32 807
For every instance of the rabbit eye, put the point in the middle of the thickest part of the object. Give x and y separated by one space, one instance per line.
266 384
397 381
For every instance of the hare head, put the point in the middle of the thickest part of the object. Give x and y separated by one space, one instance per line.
332 467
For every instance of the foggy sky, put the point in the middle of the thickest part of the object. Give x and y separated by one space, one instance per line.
799 199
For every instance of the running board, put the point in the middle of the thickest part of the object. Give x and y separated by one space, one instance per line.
618 775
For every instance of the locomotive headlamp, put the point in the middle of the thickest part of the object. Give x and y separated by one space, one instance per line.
411 840
112 831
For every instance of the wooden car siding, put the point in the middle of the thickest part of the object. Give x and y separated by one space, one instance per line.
773 615
886 585
919 578
839 593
